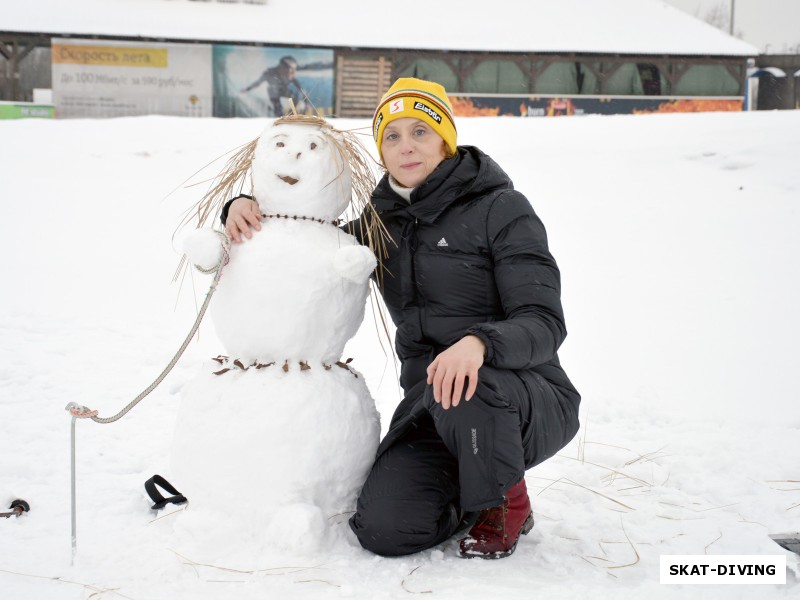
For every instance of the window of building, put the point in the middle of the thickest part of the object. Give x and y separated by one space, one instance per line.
625 80
496 77
707 80
432 69
653 81
557 78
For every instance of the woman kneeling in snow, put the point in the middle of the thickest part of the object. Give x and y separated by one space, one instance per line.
475 295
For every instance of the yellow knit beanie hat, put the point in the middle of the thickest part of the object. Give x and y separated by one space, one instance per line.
420 99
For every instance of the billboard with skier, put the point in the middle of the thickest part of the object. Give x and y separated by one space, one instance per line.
95 78
265 82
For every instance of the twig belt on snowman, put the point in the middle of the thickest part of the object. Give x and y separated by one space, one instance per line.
234 364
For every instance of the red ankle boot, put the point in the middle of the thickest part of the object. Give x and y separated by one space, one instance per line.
497 530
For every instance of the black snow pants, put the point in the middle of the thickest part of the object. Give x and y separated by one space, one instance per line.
435 463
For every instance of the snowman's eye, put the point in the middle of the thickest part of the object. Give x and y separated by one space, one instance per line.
313 145
279 145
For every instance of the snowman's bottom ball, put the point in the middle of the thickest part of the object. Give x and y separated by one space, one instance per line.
263 439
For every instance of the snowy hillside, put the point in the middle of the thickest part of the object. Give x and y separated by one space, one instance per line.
677 238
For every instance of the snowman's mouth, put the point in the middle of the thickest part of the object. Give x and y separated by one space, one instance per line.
288 179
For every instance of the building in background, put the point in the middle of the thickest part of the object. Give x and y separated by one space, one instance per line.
538 58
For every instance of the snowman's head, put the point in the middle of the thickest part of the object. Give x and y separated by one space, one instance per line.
298 169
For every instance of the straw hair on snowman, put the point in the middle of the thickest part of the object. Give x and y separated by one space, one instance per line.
235 179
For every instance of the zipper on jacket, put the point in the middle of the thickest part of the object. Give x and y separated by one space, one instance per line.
419 300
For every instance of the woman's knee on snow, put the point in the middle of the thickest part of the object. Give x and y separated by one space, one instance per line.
396 527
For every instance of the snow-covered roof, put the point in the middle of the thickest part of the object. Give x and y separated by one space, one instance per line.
594 26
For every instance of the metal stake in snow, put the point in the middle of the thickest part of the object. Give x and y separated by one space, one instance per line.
75 410
81 412
74 536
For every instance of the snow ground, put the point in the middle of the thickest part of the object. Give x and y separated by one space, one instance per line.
677 240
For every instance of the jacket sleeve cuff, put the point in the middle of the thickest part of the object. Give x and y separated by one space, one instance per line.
223 217
480 334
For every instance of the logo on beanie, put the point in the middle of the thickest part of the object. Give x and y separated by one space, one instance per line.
427 109
396 106
377 126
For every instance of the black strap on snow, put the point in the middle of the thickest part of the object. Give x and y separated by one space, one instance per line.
155 495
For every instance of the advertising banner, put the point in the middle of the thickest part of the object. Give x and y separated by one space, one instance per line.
558 106
93 78
265 82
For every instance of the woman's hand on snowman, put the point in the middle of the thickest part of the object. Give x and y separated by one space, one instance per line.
243 214
449 369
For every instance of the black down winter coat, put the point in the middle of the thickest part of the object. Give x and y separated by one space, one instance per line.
470 256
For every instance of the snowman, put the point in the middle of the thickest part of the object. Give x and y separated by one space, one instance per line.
274 440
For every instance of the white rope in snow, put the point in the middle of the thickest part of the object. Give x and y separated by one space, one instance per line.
81 412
